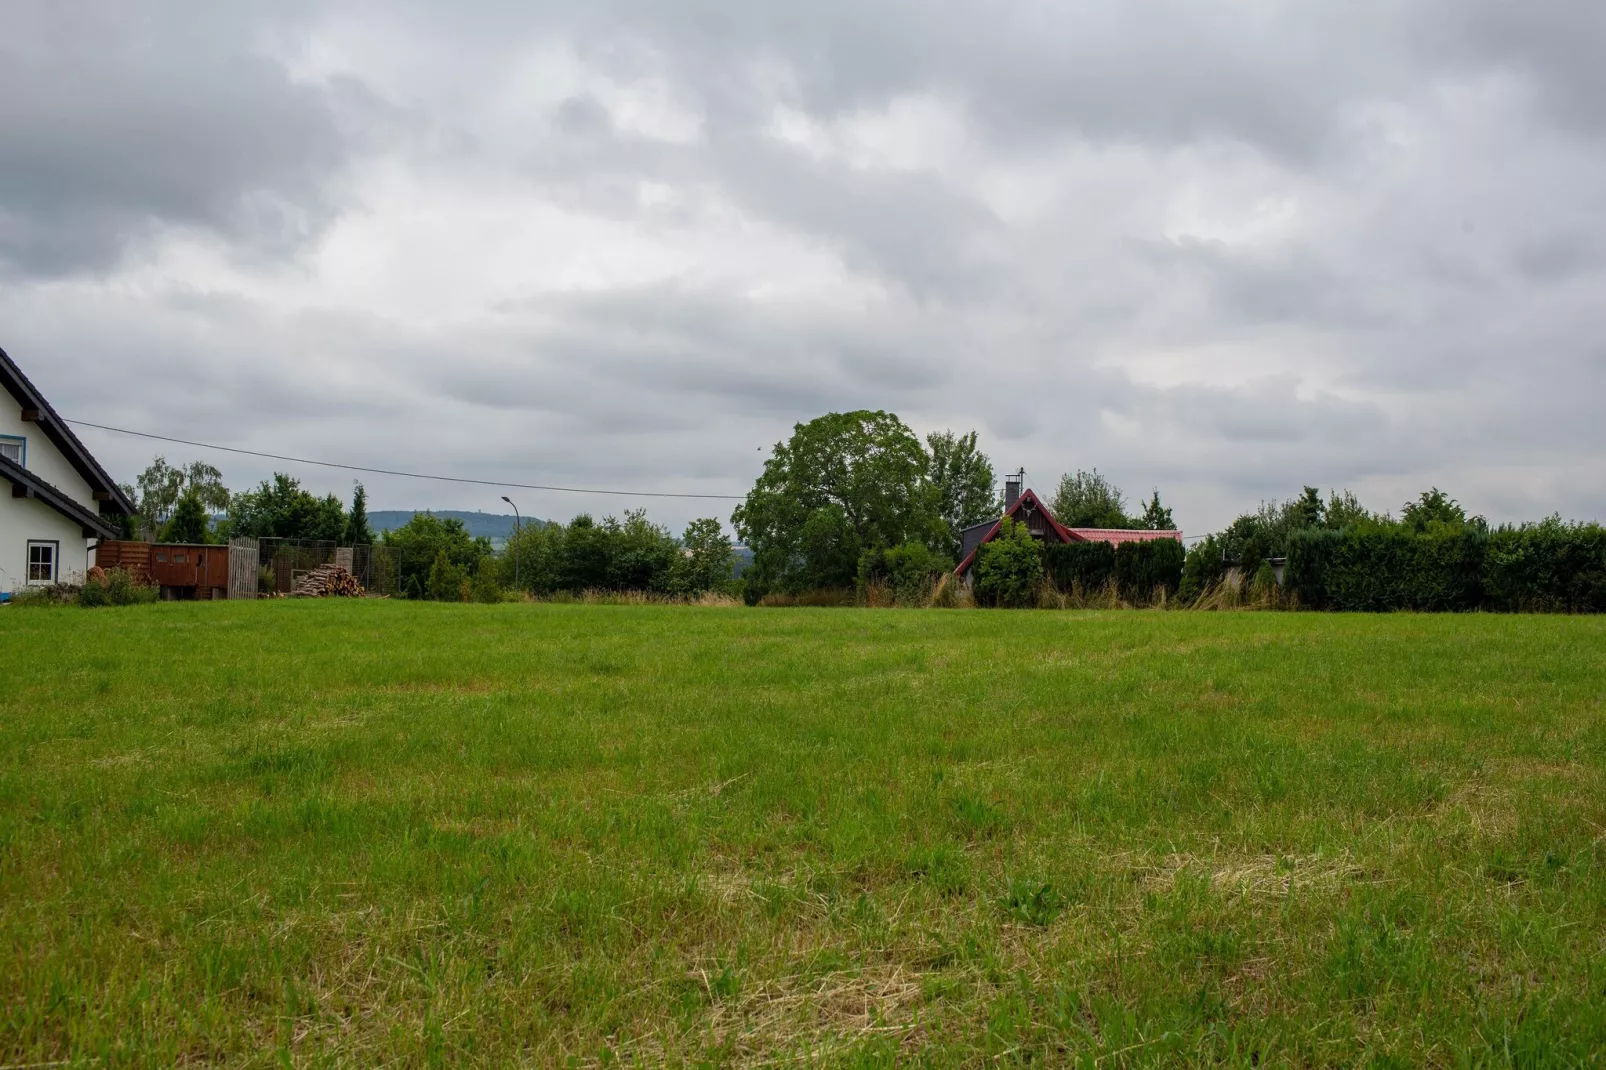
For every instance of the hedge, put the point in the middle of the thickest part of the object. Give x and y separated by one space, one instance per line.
1084 565
1549 566
1142 568
1376 568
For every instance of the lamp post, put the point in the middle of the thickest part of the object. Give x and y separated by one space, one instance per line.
518 527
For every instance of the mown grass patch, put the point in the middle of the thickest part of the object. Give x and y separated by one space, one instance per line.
358 832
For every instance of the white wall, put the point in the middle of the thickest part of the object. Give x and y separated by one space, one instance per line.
22 519
44 460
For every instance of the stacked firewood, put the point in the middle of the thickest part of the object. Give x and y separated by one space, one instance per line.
328 581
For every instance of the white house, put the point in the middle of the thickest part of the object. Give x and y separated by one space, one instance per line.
62 502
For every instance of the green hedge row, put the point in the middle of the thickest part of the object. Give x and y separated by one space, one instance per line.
1549 566
1138 568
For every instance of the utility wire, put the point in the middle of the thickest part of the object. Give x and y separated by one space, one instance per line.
409 475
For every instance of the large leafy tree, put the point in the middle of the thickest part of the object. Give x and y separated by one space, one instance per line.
843 483
159 489
1089 500
280 509
962 477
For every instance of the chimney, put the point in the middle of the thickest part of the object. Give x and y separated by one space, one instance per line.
1012 482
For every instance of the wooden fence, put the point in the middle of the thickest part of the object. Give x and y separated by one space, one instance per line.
242 568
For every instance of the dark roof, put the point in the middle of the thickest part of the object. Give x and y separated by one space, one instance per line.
103 486
31 486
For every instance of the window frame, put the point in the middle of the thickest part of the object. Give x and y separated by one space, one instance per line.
22 444
55 561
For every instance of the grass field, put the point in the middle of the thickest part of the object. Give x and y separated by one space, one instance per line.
318 833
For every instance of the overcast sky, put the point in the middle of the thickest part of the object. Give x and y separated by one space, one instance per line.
1223 249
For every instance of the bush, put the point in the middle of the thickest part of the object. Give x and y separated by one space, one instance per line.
1550 566
1008 569
1148 571
420 543
487 587
1202 569
447 582
910 573
114 587
1383 567
1079 566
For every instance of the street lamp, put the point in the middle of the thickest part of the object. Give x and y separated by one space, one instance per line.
518 526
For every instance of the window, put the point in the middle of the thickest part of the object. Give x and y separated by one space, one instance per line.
14 449
178 559
42 561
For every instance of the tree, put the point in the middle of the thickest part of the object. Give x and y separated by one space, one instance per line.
189 522
1156 517
280 509
423 540
641 554
705 564
1345 510
1433 507
1307 510
964 483
583 559
357 532
160 488
1009 568
447 582
1089 500
844 482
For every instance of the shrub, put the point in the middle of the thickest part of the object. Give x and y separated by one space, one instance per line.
1009 568
114 587
447 582
1380 567
1146 571
486 586
1202 569
1079 566
1550 565
910 573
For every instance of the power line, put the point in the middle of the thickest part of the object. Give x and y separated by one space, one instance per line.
408 475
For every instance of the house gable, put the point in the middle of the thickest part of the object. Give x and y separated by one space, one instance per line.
1030 510
54 454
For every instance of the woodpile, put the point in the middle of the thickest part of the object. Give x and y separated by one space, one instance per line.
328 581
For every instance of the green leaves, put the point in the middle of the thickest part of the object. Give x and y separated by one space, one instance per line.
962 477
843 483
1009 568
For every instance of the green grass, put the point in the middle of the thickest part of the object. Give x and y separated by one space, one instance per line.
288 833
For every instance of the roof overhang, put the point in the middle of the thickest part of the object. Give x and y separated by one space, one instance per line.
24 484
35 409
1027 501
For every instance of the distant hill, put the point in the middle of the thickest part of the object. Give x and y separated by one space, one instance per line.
488 525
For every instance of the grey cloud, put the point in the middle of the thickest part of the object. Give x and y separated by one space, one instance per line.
118 120
1422 311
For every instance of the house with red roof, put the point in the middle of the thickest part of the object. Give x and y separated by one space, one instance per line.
1025 507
